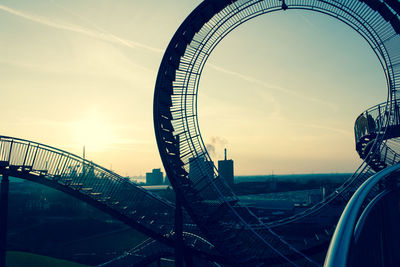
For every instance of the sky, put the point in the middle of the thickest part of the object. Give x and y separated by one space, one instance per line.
281 92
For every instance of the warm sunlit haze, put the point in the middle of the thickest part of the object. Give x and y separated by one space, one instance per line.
281 92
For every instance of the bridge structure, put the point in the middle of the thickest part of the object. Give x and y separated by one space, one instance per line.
234 230
215 224
99 187
367 233
150 251
371 124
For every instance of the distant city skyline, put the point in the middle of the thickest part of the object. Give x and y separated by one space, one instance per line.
82 73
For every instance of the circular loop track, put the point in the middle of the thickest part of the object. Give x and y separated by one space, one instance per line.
233 229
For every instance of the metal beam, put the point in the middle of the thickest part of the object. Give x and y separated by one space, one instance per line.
3 219
339 247
179 255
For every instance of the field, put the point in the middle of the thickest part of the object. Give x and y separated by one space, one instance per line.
24 259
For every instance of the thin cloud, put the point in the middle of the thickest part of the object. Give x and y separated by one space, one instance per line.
107 36
102 35
307 21
324 127
26 65
115 141
103 31
273 87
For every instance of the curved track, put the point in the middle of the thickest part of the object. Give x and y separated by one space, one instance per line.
99 187
233 229
368 126
345 244
150 250
142 255
238 235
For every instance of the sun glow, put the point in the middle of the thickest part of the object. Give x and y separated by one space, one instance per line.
93 131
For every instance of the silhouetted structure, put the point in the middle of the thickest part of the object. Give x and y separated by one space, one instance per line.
239 236
225 170
155 177
200 167
3 218
97 186
369 235
232 228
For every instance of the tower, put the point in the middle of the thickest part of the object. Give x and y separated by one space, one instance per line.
155 177
225 170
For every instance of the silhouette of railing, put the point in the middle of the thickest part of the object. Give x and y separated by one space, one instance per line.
102 188
34 161
151 250
345 249
233 229
374 124
142 255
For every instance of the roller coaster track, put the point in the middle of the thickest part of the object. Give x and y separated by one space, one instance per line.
369 125
142 255
149 251
217 218
99 187
234 230
355 241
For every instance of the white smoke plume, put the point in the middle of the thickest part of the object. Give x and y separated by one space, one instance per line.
215 147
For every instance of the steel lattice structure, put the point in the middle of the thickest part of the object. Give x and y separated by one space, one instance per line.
371 124
359 219
99 187
234 230
222 223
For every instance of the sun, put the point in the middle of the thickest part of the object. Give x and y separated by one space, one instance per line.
93 131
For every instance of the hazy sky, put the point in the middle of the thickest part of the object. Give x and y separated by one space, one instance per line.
281 92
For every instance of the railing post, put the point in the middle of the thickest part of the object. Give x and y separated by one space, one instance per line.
3 219
380 117
9 152
26 154
396 112
178 231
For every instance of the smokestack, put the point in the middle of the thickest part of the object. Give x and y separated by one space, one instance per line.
225 153
83 152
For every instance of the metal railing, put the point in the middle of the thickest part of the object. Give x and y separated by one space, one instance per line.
24 157
372 120
151 250
207 197
100 187
376 135
339 247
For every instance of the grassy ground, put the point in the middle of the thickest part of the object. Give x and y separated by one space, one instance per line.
76 241
24 259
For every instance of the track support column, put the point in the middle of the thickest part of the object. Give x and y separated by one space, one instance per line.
3 219
178 231
189 260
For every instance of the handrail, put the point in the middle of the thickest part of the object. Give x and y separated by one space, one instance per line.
340 244
150 249
372 127
83 161
99 187
179 137
371 120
